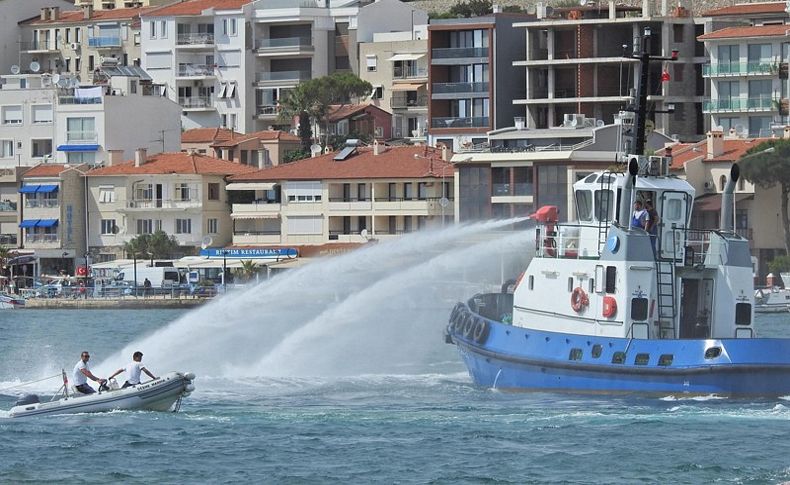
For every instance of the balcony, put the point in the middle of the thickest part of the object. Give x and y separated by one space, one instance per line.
77 137
195 71
282 77
41 46
402 101
158 204
7 206
198 40
41 203
8 240
411 206
474 122
41 238
739 69
409 72
263 209
196 102
267 111
104 42
459 90
242 237
285 46
452 55
734 105
79 100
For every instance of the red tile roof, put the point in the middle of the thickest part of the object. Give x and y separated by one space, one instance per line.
259 135
340 112
734 149
748 9
175 163
196 7
742 32
50 170
76 16
208 135
395 162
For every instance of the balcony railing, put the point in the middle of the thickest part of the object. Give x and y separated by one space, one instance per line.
79 100
195 70
204 38
739 69
82 136
403 101
283 76
104 42
41 238
437 88
162 203
7 206
762 103
196 102
41 203
283 43
268 110
8 240
459 52
38 46
475 122
400 72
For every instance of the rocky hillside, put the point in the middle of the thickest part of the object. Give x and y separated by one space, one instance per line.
696 6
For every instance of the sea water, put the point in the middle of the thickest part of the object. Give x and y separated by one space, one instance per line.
337 373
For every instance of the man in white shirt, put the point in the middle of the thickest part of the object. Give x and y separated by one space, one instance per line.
133 370
82 373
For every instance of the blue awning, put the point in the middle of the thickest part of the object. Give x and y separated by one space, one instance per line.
28 189
47 223
28 223
47 188
78 148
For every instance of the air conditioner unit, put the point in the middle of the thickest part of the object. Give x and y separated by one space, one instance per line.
75 46
709 186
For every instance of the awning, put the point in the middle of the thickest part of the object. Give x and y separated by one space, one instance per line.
78 148
251 186
406 57
27 223
407 87
28 189
47 223
47 188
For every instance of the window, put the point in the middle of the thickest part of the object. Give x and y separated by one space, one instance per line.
531 282
6 148
570 284
370 62
108 226
152 28
41 148
618 357
641 359
68 36
212 226
743 314
611 278
408 191
604 200
213 191
422 190
77 158
378 93
584 205
182 192
229 27
106 195
11 115
143 192
639 308
183 226
163 29
91 64
78 35
133 87
42 113
575 354
596 351
233 27
722 182
760 125
77 64
81 129
144 226
665 360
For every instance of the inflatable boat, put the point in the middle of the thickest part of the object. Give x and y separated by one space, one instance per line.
160 394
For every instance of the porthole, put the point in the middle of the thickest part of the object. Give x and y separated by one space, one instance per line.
665 360
618 358
713 352
575 354
596 351
641 359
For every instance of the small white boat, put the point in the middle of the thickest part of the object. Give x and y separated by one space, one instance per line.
156 395
772 300
9 301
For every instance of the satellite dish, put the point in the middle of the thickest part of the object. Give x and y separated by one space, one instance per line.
206 242
63 82
364 233
56 78
315 149
74 82
35 66
115 229
15 69
599 123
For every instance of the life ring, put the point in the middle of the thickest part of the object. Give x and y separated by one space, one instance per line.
455 311
460 321
469 326
549 247
579 299
481 331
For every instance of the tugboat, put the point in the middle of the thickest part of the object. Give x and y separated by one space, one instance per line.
607 307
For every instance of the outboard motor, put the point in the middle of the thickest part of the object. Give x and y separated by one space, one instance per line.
27 399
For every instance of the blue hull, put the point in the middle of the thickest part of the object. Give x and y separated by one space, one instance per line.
502 356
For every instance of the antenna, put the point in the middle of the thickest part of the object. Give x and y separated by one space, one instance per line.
206 242
15 69
35 66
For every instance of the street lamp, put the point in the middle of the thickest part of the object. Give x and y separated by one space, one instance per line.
224 270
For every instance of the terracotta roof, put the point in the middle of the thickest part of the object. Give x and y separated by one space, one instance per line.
50 170
76 16
741 32
748 9
734 149
395 162
196 7
206 135
260 135
340 112
175 163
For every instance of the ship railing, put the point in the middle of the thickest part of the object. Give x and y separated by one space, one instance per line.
703 247
567 241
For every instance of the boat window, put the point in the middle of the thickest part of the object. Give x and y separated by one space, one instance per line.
591 178
592 285
743 314
674 209
596 350
531 282
618 358
604 199
584 207
611 277
641 359
570 284
639 308
665 359
713 352
576 354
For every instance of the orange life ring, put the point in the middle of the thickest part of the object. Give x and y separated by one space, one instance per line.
579 299
609 306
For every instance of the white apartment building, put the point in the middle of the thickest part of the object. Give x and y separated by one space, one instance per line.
27 119
182 194
198 50
12 12
117 4
396 64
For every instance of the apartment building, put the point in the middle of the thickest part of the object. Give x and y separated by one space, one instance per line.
350 196
118 4
27 119
396 64
472 79
77 42
10 179
578 60
11 13
261 149
200 140
364 120
183 194
52 216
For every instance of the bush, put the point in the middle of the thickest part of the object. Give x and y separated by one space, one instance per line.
780 264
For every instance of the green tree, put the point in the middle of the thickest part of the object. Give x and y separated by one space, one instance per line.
5 255
780 264
155 246
249 269
471 8
312 101
767 169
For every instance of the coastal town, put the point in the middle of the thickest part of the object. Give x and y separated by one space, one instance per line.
233 139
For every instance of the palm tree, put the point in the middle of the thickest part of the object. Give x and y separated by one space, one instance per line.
5 255
249 269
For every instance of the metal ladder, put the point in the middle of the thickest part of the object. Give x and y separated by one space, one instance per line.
606 201
665 294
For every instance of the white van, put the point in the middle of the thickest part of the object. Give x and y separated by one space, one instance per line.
158 276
